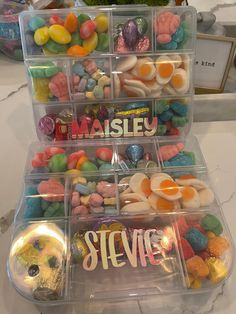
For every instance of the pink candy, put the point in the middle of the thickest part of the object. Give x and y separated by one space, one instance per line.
90 66
95 200
74 157
51 190
107 92
39 160
169 151
58 86
106 189
75 200
97 210
75 79
166 24
80 210
51 151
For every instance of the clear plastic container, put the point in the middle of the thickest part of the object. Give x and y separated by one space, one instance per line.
118 258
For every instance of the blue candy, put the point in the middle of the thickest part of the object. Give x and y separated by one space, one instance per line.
179 108
166 115
197 240
33 204
91 83
182 159
82 189
135 105
105 167
78 69
178 36
36 22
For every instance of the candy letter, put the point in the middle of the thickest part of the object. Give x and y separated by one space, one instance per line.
92 257
115 125
132 256
103 247
113 254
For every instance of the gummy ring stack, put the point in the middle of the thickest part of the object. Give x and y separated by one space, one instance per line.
117 201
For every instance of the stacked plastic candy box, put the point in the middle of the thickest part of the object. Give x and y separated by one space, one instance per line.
117 203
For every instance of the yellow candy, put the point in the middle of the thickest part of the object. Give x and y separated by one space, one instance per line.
85 200
41 89
90 44
101 23
196 284
189 280
59 34
210 234
72 172
41 36
217 268
81 180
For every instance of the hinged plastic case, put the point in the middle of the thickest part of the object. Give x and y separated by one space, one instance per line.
117 203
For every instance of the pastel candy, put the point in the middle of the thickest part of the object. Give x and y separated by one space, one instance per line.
41 36
95 200
43 70
91 83
197 240
78 68
41 89
98 92
90 66
36 22
75 199
59 34
104 81
55 210
58 86
92 186
51 190
106 189
82 189
80 210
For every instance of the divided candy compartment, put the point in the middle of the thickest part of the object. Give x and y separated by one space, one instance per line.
102 30
118 258
171 116
114 155
148 76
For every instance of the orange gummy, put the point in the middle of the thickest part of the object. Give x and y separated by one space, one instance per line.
197 267
71 23
169 187
81 160
187 176
165 70
145 186
177 81
77 51
217 246
187 193
163 204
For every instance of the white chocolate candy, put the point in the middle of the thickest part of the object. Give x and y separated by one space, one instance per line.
206 197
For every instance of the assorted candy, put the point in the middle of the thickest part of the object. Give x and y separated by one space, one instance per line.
133 35
136 76
203 247
91 79
93 195
159 192
55 159
171 31
172 116
76 35
174 155
46 199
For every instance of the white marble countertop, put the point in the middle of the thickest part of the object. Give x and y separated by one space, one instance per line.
218 144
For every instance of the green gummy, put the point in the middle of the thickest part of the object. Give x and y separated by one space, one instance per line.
161 129
54 47
191 155
88 166
76 39
82 18
44 204
212 223
58 163
54 211
44 70
103 42
161 106
179 121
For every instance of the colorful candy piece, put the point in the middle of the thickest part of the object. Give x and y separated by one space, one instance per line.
53 150
71 23
104 153
41 36
87 29
217 246
165 188
212 223
140 184
166 24
77 51
58 86
101 22
197 267
190 197
56 19
167 152
59 34
41 89
106 189
91 42
36 22
217 269
197 240
186 248
58 163
160 204
51 190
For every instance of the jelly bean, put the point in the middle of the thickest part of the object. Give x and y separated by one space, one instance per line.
87 29
59 34
88 166
36 22
197 267
71 23
54 47
55 19
41 36
90 44
75 39
101 21
103 42
58 163
77 51
41 89
83 18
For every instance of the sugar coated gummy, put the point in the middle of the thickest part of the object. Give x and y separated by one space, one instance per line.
197 240
217 246
197 267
